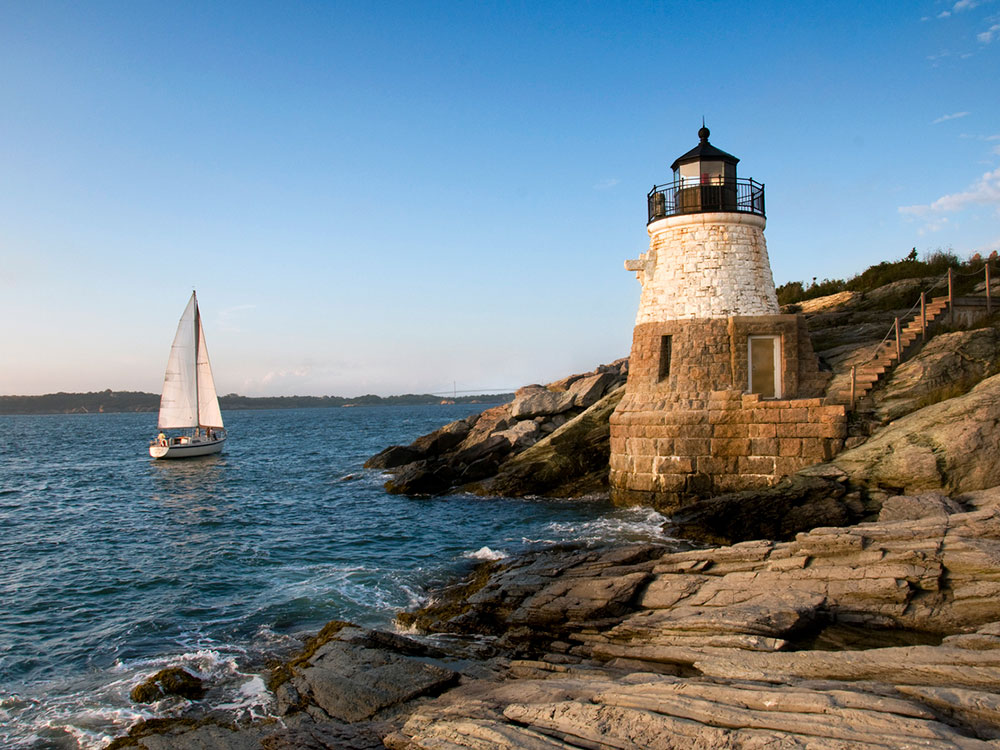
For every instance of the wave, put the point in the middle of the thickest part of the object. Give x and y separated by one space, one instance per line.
485 553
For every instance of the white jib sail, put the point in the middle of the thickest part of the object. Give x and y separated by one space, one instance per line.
209 414
179 401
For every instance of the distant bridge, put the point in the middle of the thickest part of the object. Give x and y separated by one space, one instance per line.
484 391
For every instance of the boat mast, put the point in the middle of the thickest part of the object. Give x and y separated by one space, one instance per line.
197 346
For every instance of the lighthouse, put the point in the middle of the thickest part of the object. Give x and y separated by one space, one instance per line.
724 391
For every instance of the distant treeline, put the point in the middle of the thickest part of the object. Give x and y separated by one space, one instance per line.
137 401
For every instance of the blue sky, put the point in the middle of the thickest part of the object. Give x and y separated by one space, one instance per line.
399 197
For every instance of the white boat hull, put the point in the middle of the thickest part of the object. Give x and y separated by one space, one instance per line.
185 447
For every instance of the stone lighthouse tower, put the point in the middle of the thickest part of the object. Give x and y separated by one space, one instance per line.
724 392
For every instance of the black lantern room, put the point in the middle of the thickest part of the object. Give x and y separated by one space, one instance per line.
705 180
705 165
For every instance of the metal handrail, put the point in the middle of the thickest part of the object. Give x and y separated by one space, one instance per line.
743 195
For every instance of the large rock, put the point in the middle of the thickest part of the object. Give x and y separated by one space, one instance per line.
572 461
170 681
589 390
797 504
951 447
541 403
948 365
473 449
542 593
354 676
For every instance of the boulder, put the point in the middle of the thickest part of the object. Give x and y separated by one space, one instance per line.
444 439
542 403
393 457
951 447
421 478
572 461
492 420
798 503
355 675
948 365
589 390
170 681
522 435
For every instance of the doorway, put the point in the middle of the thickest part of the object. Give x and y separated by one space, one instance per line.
765 365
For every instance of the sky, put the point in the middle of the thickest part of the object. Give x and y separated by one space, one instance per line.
383 197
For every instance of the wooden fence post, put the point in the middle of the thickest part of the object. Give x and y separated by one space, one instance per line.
899 344
951 299
923 316
989 305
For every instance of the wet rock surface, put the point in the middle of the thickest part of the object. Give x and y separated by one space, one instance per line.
170 681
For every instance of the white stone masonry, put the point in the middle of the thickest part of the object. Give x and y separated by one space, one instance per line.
705 265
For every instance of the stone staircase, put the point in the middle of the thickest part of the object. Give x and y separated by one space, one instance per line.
872 371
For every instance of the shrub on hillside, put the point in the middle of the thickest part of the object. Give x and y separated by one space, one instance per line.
936 263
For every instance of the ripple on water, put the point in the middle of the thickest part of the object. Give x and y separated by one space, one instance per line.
120 565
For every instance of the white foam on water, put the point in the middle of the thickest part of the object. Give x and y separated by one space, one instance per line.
253 700
91 715
632 524
485 553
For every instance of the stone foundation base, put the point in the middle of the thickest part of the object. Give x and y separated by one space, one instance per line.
692 447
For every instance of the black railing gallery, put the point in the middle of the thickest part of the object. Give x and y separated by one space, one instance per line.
687 197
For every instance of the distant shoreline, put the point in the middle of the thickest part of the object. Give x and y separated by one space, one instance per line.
119 402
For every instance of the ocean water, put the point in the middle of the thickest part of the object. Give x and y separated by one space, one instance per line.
113 566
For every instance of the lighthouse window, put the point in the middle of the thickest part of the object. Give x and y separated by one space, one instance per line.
765 366
665 347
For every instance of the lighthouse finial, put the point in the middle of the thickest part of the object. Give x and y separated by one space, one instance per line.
703 133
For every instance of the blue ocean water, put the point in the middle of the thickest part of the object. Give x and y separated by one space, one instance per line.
113 565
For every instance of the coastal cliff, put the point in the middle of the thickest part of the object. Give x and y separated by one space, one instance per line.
856 605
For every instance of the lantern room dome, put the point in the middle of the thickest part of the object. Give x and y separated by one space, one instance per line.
704 151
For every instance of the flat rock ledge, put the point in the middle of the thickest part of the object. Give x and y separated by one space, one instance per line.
881 635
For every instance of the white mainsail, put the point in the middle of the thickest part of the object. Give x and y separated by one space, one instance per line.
189 398
208 401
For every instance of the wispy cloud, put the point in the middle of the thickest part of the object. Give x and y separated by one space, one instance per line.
945 118
934 225
606 184
992 33
984 192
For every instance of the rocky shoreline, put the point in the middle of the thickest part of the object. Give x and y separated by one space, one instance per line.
856 605
883 634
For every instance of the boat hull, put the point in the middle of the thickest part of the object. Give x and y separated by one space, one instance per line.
187 449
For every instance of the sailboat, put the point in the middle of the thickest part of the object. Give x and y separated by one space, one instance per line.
189 401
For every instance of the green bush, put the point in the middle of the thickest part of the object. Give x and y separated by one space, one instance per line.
936 263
